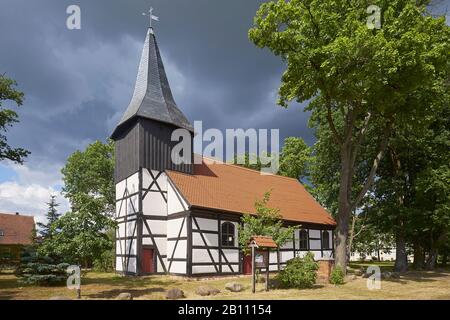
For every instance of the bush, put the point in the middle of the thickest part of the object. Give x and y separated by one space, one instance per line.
40 270
105 263
299 272
337 276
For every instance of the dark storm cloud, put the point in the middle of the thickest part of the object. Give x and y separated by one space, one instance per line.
78 83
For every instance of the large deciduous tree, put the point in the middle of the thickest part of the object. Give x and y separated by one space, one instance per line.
361 78
82 234
9 92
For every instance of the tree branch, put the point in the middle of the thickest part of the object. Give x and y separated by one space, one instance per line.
376 163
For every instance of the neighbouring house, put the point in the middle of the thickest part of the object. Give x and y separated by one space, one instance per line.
16 231
182 219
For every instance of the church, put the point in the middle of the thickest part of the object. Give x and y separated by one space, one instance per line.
182 219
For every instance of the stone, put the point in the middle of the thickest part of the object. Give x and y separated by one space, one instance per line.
174 294
207 291
395 275
233 287
60 298
124 296
386 275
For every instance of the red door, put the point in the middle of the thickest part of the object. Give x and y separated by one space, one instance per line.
248 264
147 260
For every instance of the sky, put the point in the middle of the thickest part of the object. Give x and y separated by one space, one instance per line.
78 83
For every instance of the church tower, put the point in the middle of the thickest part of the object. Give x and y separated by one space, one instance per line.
143 153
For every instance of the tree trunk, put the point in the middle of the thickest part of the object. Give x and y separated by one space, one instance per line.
419 257
344 210
401 258
351 237
431 261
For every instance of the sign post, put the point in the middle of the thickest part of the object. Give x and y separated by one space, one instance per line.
261 259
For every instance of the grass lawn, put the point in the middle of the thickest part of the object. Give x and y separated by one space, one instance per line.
412 285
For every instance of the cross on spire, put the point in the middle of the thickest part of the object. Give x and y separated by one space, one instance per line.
150 16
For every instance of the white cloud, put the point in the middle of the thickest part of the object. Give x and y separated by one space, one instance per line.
30 190
28 199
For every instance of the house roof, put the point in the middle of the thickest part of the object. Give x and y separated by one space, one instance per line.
152 97
17 229
263 242
235 189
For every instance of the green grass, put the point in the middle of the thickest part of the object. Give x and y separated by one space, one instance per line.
412 285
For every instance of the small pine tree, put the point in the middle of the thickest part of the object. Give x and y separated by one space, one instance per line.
52 215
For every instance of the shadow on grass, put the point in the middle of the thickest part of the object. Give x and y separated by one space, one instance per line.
131 281
136 293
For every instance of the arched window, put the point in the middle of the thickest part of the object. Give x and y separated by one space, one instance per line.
325 240
303 240
227 234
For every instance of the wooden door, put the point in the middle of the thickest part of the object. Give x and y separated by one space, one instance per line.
248 264
147 260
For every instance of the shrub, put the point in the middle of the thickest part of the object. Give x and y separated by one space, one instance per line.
40 270
337 276
105 263
299 272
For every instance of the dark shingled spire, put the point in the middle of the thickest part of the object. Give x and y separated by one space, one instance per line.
152 97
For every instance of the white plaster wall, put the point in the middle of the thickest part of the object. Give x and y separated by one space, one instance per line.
201 255
231 255
154 205
235 267
156 227
181 250
205 224
203 269
314 233
315 244
286 255
175 203
178 267
173 228
211 239
120 189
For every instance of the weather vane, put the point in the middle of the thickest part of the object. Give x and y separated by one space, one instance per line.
151 16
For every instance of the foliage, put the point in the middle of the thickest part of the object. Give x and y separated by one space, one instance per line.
51 216
294 158
357 80
105 263
299 272
8 117
91 173
337 276
266 222
81 235
40 270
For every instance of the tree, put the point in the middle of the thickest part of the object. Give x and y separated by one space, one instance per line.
356 78
82 234
51 217
91 173
266 222
8 117
294 159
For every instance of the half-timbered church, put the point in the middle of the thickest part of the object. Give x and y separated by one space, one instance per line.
183 219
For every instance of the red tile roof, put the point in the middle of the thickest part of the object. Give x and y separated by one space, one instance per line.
17 229
235 189
264 242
